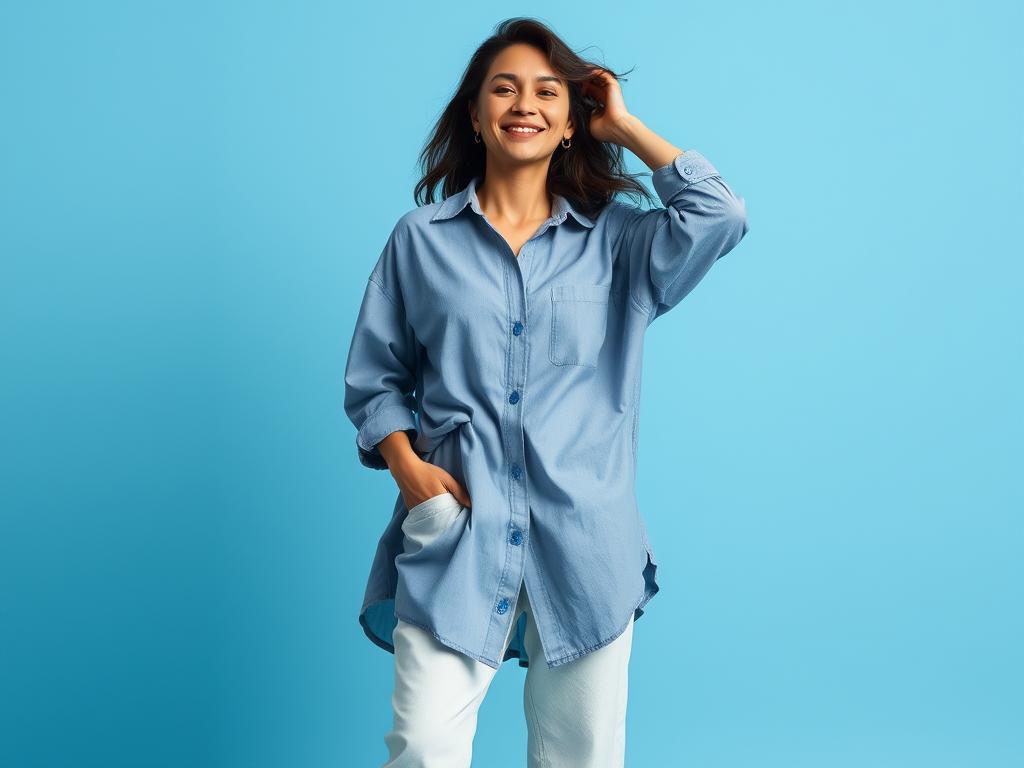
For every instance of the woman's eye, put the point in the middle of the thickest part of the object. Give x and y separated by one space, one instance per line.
506 89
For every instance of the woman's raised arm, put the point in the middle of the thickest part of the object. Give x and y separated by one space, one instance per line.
668 250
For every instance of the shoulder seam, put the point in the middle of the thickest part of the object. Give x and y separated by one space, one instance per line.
380 286
622 239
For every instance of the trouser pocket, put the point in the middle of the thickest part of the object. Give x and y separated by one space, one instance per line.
429 519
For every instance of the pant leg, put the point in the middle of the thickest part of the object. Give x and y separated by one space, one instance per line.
437 695
438 691
576 712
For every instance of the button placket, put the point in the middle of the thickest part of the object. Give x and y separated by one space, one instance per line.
515 443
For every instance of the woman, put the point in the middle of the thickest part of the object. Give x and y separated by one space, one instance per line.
510 317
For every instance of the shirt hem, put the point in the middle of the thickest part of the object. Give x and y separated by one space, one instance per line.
651 588
448 642
583 652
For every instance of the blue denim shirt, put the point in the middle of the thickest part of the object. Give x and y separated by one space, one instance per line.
520 376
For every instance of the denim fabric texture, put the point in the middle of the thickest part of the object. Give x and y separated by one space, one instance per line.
521 377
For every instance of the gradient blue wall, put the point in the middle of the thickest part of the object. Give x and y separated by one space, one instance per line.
191 197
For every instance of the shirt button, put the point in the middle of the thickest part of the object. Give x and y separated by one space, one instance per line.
517 328
517 471
687 170
517 537
514 397
502 605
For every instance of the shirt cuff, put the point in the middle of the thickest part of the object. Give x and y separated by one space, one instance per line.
685 169
381 424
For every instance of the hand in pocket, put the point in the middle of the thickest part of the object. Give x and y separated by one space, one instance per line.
420 480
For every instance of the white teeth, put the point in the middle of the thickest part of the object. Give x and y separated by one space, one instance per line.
517 129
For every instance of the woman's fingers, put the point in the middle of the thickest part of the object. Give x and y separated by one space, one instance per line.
460 493
600 87
456 489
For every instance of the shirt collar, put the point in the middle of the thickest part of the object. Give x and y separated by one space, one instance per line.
467 195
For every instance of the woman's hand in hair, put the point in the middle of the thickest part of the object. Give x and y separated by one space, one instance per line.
610 121
610 115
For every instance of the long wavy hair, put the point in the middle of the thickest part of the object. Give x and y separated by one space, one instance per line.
588 174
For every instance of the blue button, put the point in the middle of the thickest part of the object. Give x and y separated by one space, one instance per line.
517 328
514 397
517 537
517 472
687 170
502 605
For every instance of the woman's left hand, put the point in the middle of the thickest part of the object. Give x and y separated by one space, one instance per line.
611 110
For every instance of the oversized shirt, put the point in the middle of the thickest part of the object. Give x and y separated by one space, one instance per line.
520 376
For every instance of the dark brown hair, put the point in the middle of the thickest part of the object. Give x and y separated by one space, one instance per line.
588 174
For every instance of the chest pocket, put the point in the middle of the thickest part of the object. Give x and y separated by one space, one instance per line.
579 319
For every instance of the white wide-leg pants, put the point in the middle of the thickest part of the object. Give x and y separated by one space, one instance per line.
575 713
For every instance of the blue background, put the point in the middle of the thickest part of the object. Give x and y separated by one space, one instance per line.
192 196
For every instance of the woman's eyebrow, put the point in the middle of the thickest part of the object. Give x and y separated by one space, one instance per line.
539 78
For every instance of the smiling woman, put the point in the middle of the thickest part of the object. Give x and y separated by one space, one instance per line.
495 371
526 75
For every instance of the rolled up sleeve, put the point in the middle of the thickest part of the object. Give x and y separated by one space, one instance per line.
670 249
380 373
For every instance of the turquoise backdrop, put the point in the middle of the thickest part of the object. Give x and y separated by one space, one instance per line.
191 198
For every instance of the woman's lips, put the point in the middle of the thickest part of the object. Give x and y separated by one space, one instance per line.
522 134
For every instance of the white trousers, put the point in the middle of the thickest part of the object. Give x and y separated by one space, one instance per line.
575 713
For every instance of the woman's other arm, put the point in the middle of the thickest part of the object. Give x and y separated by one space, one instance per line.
668 249
380 372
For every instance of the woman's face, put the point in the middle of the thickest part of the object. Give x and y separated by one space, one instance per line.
521 88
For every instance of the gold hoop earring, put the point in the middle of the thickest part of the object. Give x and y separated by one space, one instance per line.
564 145
476 137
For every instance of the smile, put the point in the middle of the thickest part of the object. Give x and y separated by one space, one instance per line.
522 132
